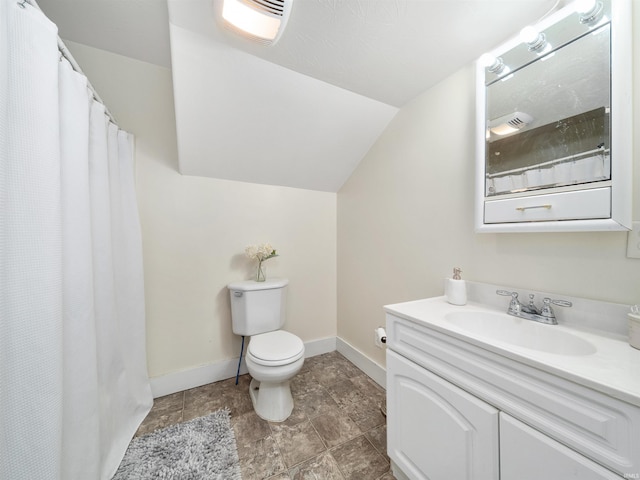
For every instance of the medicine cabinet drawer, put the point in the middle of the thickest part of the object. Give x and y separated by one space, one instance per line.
575 205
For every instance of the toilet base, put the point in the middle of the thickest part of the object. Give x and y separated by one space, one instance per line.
271 401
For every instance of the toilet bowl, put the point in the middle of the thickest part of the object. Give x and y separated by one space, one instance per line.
273 359
273 356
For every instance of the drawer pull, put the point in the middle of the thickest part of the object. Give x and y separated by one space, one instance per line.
522 209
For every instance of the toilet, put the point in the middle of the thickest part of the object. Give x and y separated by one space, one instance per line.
273 356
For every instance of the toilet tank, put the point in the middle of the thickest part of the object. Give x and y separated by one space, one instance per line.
257 307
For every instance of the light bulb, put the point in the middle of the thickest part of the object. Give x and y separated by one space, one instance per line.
590 12
536 41
585 6
493 64
486 60
529 34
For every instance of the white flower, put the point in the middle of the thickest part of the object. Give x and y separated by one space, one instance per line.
260 252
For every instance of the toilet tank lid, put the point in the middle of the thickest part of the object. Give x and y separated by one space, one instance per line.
250 285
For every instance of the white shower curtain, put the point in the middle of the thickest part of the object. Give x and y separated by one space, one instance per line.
73 378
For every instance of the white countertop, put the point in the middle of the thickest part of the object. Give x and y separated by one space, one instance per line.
614 368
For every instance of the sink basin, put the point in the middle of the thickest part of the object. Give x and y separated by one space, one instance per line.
520 332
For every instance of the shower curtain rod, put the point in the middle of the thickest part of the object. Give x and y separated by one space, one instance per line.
64 52
67 54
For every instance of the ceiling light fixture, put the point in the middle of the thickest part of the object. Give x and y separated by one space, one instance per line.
260 20
510 123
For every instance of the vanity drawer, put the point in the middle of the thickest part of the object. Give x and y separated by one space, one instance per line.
603 428
522 447
575 205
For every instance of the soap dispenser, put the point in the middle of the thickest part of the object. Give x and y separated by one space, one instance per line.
455 289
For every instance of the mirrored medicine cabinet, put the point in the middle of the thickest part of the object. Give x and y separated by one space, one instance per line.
554 124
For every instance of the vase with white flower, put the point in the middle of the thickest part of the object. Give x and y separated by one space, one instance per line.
260 253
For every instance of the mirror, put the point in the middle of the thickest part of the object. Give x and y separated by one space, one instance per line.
550 155
564 138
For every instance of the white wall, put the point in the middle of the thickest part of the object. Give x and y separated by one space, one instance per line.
405 219
195 230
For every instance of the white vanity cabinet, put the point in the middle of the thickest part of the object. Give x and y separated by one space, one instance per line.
459 409
435 429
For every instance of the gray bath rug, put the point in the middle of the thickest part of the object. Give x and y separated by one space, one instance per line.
201 449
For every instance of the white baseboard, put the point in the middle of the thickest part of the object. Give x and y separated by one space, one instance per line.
318 347
214 372
377 372
195 377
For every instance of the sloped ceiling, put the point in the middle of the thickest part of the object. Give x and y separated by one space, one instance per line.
137 29
302 113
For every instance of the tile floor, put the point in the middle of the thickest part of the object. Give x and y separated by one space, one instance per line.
336 430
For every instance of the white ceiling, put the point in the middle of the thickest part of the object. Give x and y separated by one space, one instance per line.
134 28
304 112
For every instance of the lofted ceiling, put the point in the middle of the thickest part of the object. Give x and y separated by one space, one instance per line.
304 112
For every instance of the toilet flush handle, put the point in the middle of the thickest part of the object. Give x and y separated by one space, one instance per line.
237 294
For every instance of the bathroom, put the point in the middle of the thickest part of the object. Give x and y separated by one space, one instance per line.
391 233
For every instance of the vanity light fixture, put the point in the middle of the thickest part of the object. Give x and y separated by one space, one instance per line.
535 40
493 64
260 20
590 11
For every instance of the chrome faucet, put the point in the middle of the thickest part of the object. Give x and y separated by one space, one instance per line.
531 311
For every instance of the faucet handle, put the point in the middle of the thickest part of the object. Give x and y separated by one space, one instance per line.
561 303
514 305
513 295
547 311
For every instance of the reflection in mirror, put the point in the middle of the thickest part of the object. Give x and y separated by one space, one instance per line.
548 122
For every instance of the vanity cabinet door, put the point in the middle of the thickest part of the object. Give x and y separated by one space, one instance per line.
436 431
526 454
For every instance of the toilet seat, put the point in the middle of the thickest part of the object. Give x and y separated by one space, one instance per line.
275 348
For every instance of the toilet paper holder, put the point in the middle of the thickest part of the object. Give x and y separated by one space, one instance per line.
380 337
